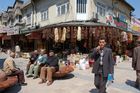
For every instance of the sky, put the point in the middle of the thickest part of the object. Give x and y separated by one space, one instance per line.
135 3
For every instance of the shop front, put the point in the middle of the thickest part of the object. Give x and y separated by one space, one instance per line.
79 36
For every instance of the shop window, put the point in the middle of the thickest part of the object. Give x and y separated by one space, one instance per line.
101 9
81 6
44 15
62 9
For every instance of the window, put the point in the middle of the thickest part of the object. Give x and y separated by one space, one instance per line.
28 18
122 17
101 9
44 15
62 9
81 6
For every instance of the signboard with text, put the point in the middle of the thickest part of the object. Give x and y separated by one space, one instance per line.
113 21
135 24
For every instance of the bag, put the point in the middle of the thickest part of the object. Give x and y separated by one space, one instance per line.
109 80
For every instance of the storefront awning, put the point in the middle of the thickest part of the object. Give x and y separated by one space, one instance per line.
136 33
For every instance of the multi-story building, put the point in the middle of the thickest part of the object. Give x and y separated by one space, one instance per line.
98 15
11 19
39 20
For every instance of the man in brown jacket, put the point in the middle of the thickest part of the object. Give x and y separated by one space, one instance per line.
136 63
10 69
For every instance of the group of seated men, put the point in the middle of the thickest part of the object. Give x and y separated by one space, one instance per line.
40 65
43 66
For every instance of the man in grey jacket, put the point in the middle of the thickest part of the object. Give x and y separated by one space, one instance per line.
103 65
136 63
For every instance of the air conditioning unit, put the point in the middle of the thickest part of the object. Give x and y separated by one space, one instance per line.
95 17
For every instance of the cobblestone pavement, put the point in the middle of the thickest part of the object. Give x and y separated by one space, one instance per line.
80 81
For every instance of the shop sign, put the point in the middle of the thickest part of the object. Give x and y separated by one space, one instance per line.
135 24
3 29
34 36
113 21
9 31
24 30
12 31
27 30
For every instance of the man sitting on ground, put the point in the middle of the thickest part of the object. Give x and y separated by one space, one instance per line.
50 68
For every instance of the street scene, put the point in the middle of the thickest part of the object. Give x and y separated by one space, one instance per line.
69 46
79 81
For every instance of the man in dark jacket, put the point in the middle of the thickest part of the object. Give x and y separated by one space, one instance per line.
50 68
32 59
103 65
136 63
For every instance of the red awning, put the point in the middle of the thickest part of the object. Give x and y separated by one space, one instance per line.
34 35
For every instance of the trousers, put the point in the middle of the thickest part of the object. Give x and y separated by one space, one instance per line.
100 82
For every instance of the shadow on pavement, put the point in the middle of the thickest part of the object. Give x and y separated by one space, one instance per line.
1 63
131 83
93 91
14 89
68 76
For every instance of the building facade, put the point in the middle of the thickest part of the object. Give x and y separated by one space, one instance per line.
38 21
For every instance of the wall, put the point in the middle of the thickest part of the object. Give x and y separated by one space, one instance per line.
51 5
25 11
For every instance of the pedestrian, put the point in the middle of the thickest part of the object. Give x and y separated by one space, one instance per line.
50 68
103 65
17 50
136 63
10 69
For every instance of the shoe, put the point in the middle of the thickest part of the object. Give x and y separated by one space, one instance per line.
43 81
26 73
28 76
49 83
35 77
23 84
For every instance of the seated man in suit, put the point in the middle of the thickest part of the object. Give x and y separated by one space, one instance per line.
10 69
50 68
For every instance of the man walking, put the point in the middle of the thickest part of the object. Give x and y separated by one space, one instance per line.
136 63
103 65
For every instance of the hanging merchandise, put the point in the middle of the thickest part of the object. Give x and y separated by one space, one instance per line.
130 37
79 34
82 32
90 37
60 32
86 33
72 30
56 34
68 33
63 38
124 36
75 32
